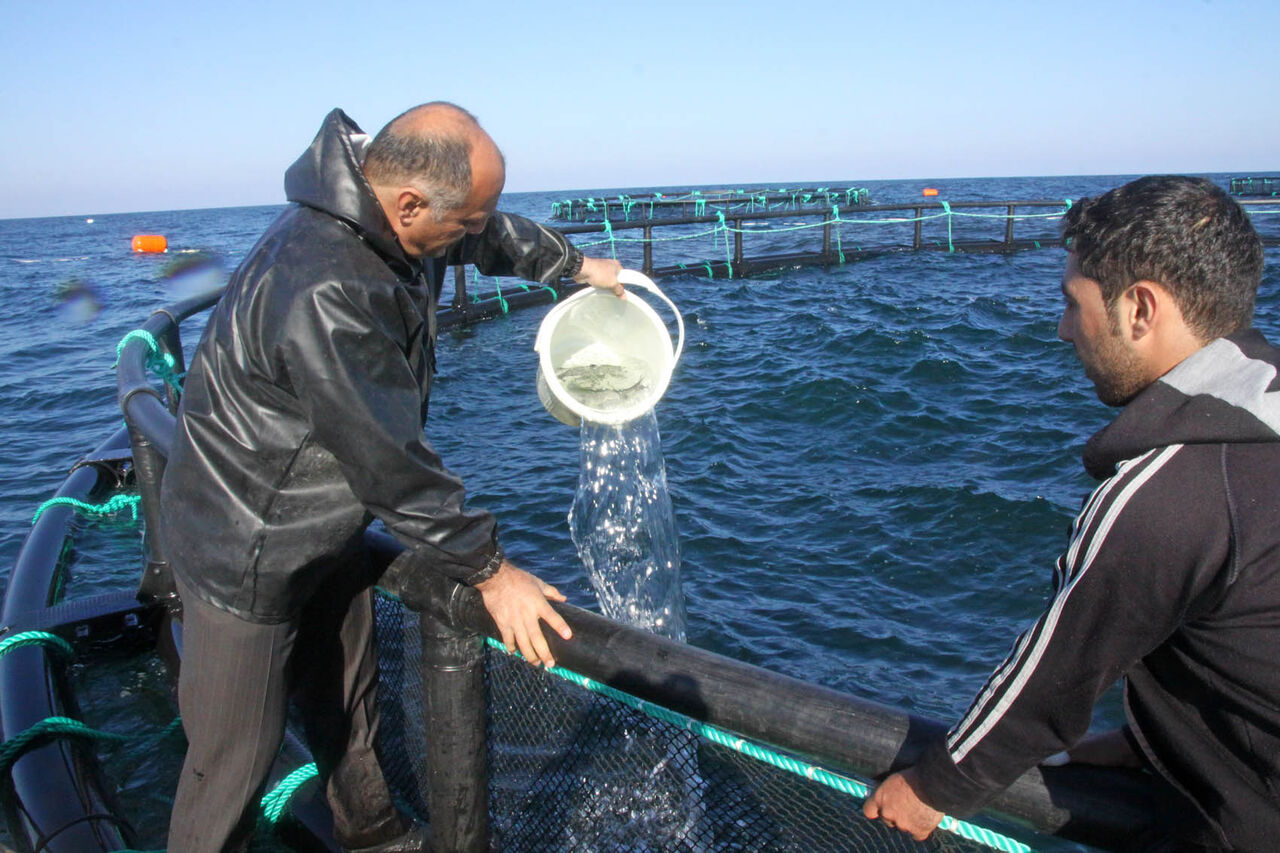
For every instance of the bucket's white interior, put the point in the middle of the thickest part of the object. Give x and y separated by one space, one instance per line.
611 358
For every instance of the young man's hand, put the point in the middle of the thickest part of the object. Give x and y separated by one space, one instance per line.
895 803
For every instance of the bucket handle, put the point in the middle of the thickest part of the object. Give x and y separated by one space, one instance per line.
625 276
639 279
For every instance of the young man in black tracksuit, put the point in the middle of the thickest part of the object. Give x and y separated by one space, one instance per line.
1171 579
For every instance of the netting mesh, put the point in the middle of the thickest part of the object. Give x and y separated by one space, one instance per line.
571 769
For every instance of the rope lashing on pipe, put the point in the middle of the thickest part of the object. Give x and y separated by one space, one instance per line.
158 361
51 642
843 784
46 731
114 504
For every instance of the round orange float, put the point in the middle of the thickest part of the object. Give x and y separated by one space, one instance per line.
150 243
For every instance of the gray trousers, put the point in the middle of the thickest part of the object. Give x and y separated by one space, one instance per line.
236 680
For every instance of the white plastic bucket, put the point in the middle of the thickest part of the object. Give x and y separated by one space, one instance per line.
605 359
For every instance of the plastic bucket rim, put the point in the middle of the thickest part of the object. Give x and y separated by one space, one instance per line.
669 354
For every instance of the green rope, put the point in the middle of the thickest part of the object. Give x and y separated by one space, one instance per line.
754 750
161 362
835 212
608 231
274 802
951 247
47 730
497 287
114 504
36 638
728 252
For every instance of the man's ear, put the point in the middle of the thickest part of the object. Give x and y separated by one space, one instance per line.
409 205
1144 302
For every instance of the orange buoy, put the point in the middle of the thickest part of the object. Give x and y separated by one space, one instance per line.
927 191
150 243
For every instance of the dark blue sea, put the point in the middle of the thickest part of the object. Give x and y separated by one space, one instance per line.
873 465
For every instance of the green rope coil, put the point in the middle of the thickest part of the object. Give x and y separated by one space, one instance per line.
274 802
754 750
114 504
36 638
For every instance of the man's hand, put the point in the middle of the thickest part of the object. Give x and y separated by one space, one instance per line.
896 804
517 601
602 273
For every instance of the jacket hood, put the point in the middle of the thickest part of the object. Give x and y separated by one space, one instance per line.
328 177
1226 392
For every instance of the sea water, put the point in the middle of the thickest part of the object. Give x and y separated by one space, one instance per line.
872 466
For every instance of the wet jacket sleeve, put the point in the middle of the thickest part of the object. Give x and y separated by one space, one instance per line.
514 245
349 365
1144 549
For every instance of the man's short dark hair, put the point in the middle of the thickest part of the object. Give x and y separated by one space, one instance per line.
1183 233
436 163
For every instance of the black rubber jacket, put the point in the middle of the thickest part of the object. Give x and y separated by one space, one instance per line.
304 406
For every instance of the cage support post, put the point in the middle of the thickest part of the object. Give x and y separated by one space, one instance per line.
1008 227
647 266
918 241
460 303
148 465
457 757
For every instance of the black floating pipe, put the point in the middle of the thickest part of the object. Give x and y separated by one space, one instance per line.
457 756
1098 806
55 797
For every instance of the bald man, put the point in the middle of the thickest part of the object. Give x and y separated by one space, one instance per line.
301 422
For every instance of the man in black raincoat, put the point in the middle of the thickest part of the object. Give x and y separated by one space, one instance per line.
301 422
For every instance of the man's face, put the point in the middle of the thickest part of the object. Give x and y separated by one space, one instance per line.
429 237
426 237
1101 343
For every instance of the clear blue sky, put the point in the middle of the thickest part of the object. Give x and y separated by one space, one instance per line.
151 106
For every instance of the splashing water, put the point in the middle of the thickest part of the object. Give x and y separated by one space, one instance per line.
624 528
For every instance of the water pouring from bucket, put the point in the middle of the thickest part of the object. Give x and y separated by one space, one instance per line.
603 359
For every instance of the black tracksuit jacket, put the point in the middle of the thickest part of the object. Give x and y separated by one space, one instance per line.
1172 580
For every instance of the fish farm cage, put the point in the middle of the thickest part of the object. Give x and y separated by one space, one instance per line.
727 245
658 205
634 742
1255 186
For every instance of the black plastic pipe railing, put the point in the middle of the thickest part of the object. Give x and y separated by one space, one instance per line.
54 794
1100 806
